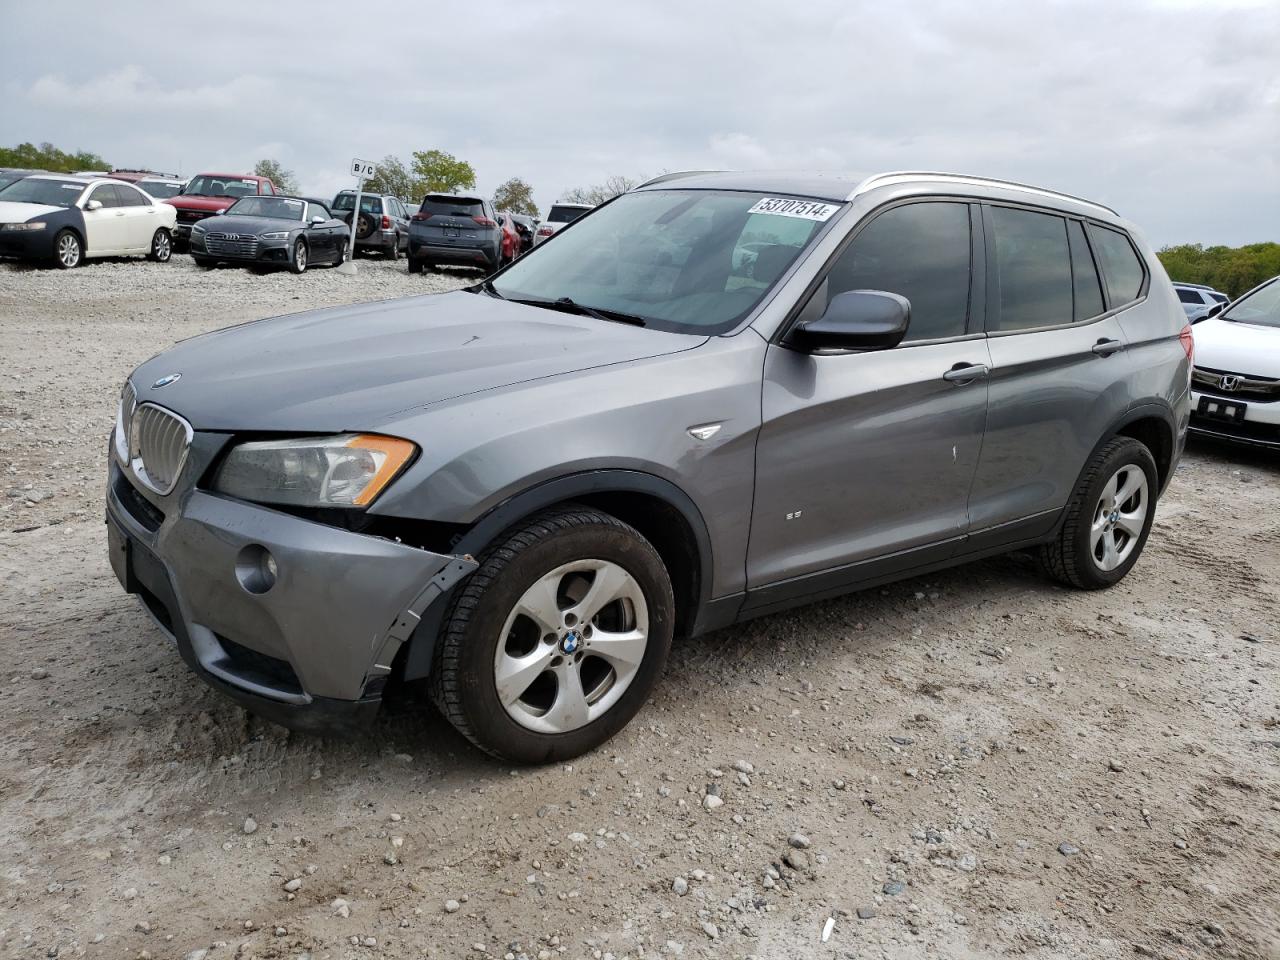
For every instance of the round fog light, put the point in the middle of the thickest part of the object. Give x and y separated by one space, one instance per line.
256 568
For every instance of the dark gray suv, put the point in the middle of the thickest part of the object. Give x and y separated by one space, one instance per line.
714 397
455 230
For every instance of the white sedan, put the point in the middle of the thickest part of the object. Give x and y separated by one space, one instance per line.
1235 385
69 219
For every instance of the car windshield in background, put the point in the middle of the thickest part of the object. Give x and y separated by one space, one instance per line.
277 208
203 186
368 204
686 261
451 207
52 193
564 214
1261 307
160 191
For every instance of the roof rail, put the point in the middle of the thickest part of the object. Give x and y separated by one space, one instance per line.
673 176
875 180
1197 286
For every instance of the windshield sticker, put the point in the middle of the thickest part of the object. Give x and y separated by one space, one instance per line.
802 209
252 183
72 186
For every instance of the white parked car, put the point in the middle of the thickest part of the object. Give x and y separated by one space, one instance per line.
1198 299
68 219
559 217
1235 384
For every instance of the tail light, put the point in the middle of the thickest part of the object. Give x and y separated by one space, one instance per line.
545 231
421 216
1188 342
386 222
485 221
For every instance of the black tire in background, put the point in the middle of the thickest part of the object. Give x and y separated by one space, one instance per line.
1070 558
415 265
68 250
463 682
161 246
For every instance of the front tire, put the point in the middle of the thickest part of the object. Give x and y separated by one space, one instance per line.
161 246
298 258
559 637
68 251
1108 518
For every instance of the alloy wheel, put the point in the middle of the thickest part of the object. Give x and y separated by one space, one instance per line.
1119 517
571 646
69 250
161 246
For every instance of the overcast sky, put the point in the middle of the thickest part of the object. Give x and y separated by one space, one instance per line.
1167 110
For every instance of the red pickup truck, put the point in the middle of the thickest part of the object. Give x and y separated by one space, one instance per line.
207 193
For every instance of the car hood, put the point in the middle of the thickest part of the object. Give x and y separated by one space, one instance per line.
356 367
17 212
1238 347
250 225
195 202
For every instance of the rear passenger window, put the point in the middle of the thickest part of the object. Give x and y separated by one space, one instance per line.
1033 270
1189 296
920 251
1120 264
1084 274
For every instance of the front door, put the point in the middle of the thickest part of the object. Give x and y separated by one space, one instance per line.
865 460
106 229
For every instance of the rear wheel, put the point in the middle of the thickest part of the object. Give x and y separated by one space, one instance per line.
161 246
1108 519
342 255
415 265
298 258
555 642
68 252
393 251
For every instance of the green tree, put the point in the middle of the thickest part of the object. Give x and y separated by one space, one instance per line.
1233 270
601 192
440 172
515 196
46 156
273 171
393 177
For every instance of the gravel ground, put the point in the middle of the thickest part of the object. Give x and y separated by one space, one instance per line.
973 764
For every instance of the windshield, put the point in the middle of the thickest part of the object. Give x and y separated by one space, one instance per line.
368 204
207 186
160 190
277 208
52 193
1262 307
560 214
682 260
452 206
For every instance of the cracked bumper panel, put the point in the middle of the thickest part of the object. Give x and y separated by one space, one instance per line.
325 630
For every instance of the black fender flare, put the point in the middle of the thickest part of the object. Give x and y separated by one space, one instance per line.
538 497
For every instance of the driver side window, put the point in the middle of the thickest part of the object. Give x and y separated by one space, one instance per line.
105 195
921 251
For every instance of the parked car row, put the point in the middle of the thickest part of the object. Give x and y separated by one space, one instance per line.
1198 299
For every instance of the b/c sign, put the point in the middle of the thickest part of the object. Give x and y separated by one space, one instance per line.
362 168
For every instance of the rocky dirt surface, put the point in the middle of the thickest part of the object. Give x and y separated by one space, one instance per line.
974 764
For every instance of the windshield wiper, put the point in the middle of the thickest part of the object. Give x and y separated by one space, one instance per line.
569 305
491 290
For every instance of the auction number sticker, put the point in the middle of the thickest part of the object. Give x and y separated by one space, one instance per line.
801 209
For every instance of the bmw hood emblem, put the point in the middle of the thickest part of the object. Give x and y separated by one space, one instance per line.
165 381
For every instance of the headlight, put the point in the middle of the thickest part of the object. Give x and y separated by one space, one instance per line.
348 470
197 228
279 235
34 225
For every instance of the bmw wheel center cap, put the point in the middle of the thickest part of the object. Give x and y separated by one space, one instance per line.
570 643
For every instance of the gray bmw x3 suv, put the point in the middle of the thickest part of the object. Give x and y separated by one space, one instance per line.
525 490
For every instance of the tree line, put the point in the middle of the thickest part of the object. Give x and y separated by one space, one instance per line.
1233 270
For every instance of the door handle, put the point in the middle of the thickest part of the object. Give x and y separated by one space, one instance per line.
1106 347
119 213
963 373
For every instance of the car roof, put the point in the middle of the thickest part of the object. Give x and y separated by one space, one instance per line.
232 176
842 187
574 204
452 196
1194 286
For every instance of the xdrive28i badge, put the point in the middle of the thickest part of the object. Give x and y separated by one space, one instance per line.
165 381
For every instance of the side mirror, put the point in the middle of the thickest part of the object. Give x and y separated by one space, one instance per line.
93 205
220 211
1216 309
317 219
856 320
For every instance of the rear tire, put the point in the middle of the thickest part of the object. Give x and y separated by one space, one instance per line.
161 246
595 644
68 251
1108 518
415 265
393 251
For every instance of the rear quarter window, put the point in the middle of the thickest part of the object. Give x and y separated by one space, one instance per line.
1121 265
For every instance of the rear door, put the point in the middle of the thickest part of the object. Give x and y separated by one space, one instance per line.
140 218
1058 370
864 460
453 222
